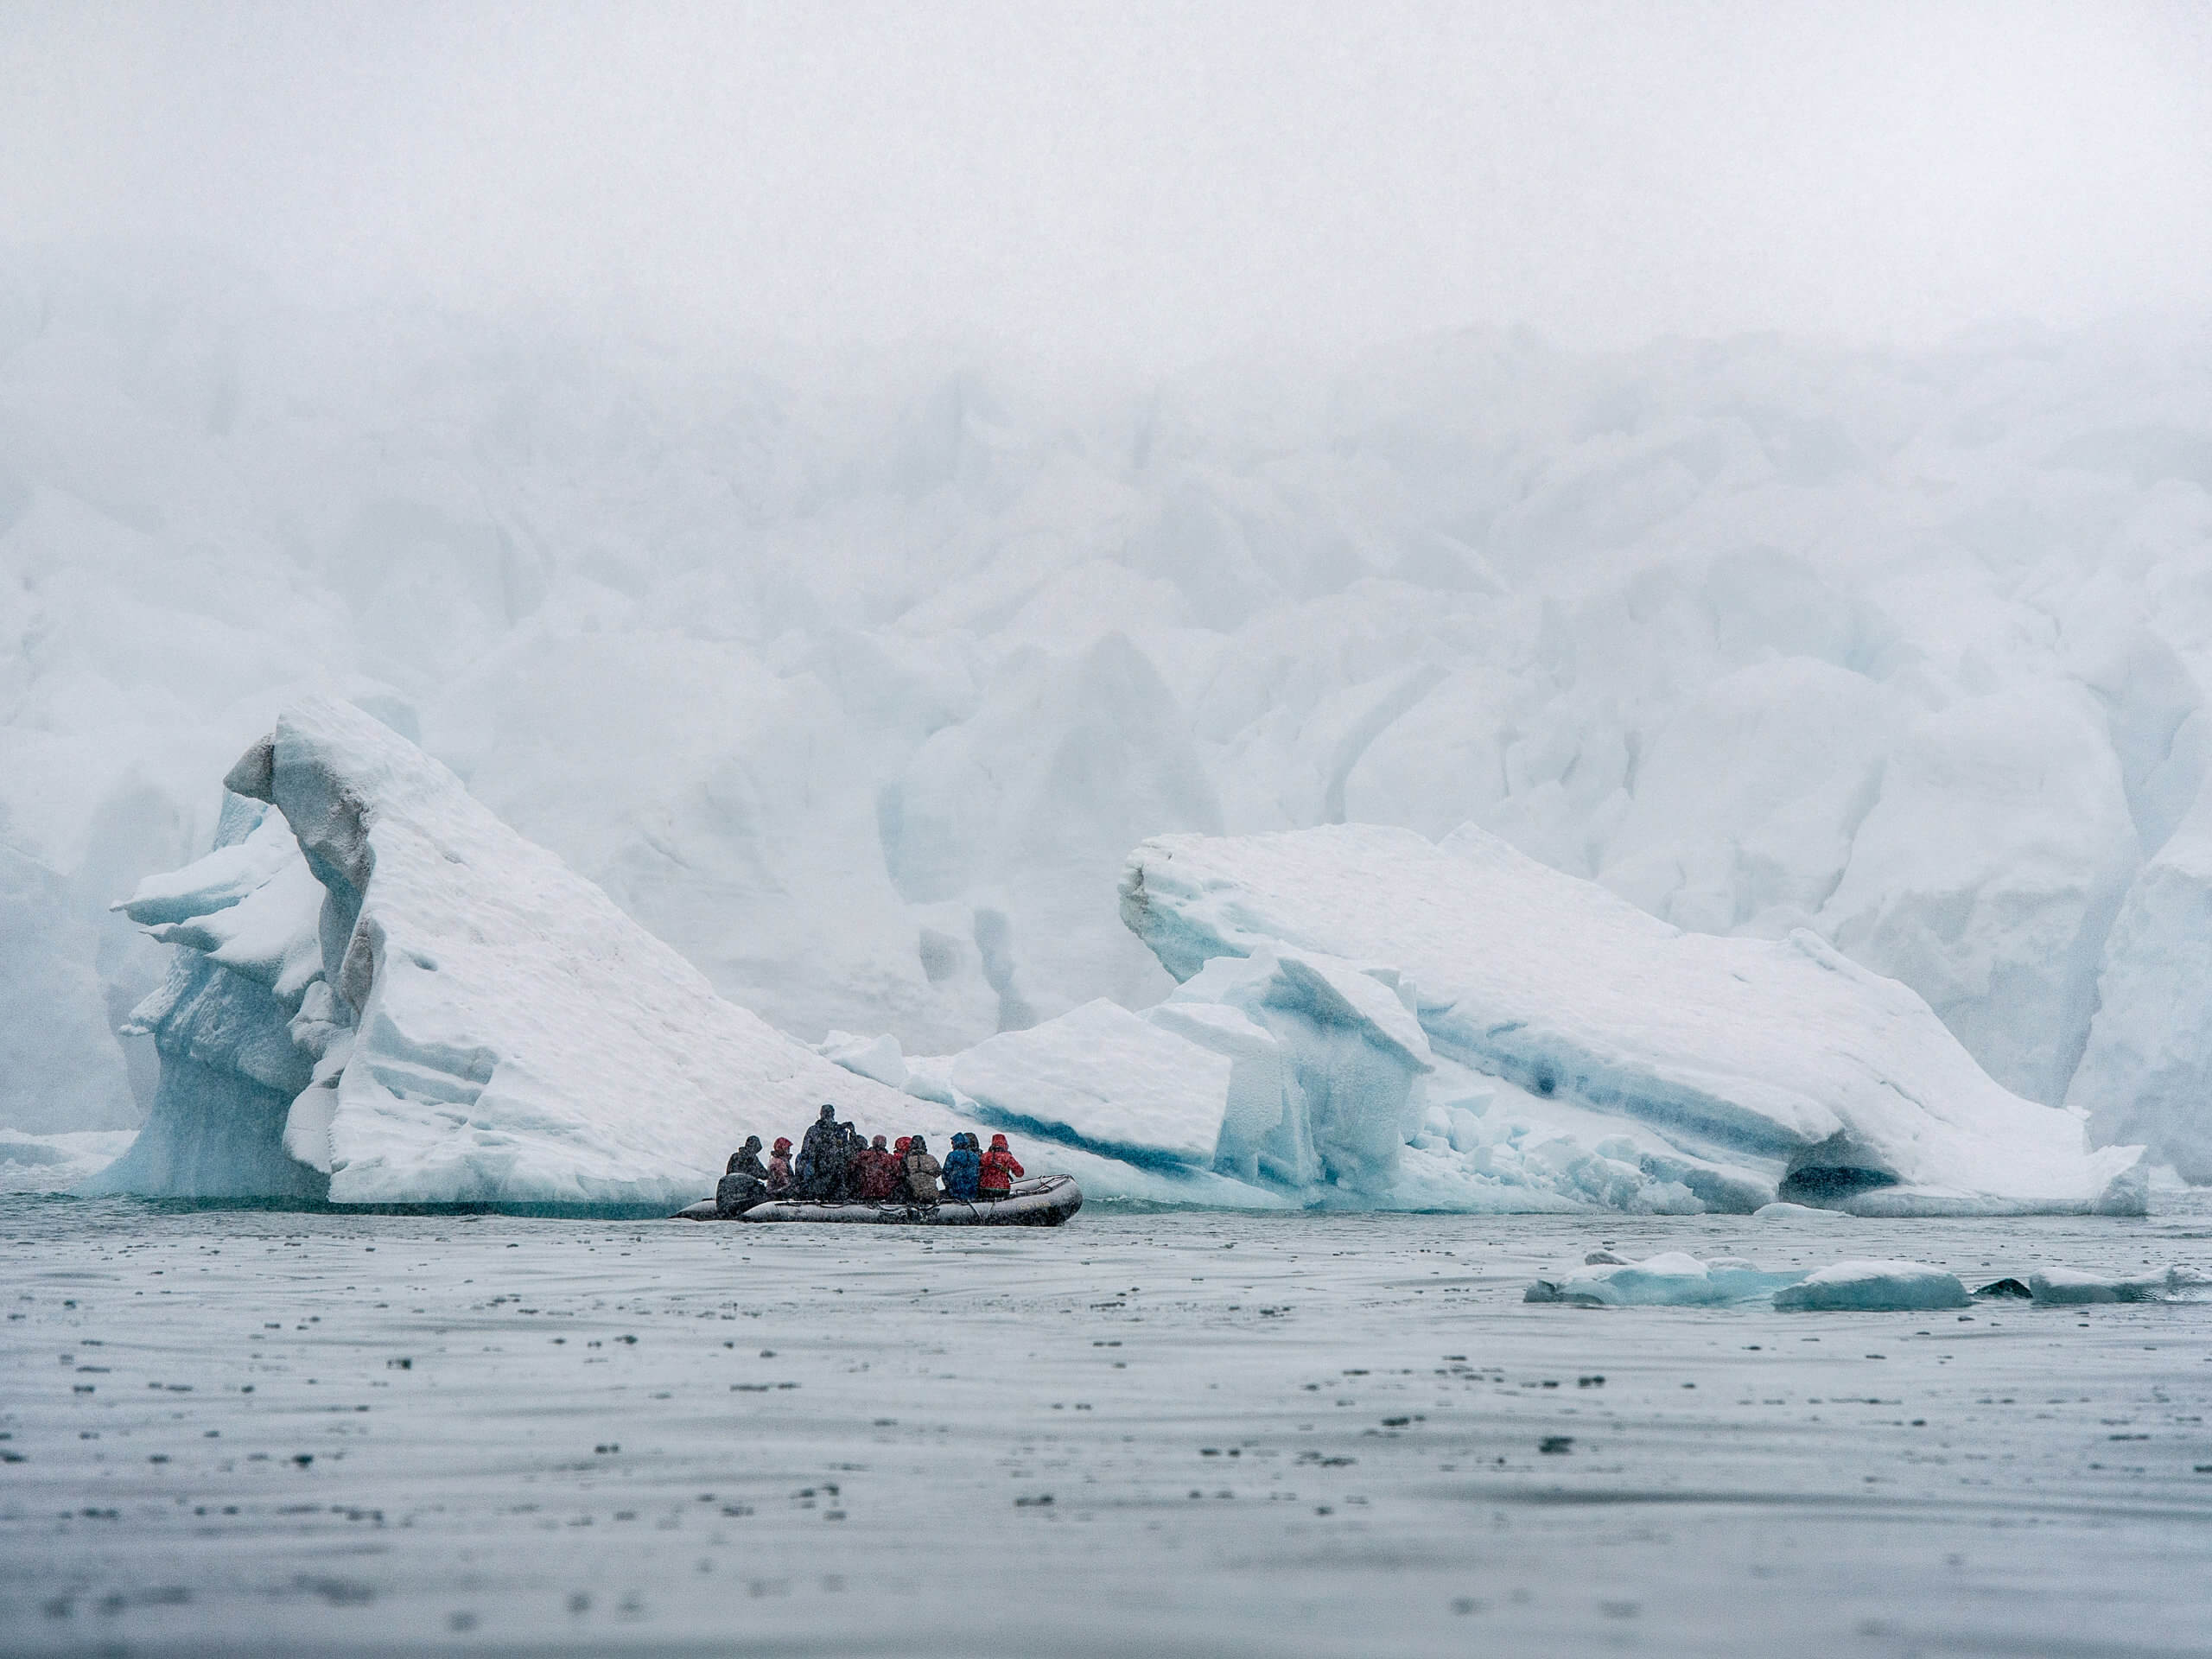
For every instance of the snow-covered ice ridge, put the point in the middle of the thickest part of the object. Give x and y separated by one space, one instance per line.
857 692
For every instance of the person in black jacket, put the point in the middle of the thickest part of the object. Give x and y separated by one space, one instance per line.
821 1164
746 1182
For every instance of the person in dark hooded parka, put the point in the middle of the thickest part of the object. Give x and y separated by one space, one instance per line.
963 1165
880 1173
922 1171
853 1143
746 1183
821 1164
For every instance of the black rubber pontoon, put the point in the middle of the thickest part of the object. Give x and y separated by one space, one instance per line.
1046 1202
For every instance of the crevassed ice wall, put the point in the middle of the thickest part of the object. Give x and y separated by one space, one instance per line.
859 693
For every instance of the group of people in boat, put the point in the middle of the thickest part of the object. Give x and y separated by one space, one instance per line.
837 1164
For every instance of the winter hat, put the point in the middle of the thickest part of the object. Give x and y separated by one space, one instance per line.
879 1143
752 1143
782 1145
905 1142
828 1111
998 1143
917 1144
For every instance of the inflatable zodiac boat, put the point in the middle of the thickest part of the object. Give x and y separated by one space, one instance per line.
1045 1202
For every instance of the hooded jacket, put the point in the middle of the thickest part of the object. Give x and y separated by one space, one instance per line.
820 1159
746 1160
922 1171
878 1174
962 1165
999 1169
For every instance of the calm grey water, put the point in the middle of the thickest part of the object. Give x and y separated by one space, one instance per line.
249 1431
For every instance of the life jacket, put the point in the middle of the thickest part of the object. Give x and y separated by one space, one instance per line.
998 1172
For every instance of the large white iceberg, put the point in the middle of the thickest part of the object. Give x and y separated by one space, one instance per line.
382 995
1775 1057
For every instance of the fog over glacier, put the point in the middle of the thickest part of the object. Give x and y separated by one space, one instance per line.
861 698
842 484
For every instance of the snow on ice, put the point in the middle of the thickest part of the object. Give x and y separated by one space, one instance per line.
1740 1054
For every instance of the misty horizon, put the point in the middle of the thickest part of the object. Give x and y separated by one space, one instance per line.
1136 190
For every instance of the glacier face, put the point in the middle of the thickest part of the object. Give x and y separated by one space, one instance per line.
857 693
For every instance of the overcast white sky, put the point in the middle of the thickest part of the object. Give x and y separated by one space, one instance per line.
1146 183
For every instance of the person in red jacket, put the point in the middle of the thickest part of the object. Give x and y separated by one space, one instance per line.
999 1169
877 1172
779 1169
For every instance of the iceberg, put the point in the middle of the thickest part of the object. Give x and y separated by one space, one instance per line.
382 994
2071 1288
1676 1279
1781 1060
1874 1288
1671 1279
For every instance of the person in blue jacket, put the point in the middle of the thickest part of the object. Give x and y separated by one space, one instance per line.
964 1168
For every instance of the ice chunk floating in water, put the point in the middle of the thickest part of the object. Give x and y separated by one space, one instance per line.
2069 1287
1778 1057
1677 1279
1874 1288
1673 1279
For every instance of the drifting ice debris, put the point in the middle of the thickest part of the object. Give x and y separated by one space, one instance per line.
1780 1056
1874 1288
1670 1279
2068 1288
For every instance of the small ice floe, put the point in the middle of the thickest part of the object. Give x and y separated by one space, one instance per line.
1673 1278
1873 1287
1677 1279
54 1163
2067 1287
1794 1212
